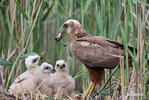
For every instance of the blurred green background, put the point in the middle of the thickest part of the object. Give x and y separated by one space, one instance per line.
28 26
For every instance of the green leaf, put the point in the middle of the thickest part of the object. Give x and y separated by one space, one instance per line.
99 21
147 56
88 2
50 98
79 74
4 62
21 9
116 18
13 68
133 56
104 93
48 11
26 55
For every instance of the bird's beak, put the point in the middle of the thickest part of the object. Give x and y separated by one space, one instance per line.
41 58
61 66
52 70
59 36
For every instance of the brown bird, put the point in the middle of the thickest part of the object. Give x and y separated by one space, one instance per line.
95 52
64 83
47 84
30 79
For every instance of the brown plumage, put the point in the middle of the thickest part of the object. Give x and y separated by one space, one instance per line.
95 52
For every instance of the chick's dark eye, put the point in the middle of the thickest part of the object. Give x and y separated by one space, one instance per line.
47 67
65 26
34 60
63 65
57 65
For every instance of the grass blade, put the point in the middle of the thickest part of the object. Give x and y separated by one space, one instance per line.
48 11
13 67
88 2
4 62
21 9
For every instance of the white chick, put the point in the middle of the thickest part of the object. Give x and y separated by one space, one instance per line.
47 85
65 84
30 79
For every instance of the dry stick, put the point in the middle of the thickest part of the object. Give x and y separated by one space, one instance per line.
31 38
12 14
33 24
12 53
40 95
121 77
138 47
37 87
44 38
26 6
107 88
22 42
110 83
142 42
106 82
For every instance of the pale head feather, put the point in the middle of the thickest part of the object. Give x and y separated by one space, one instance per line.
31 62
44 65
60 62
74 21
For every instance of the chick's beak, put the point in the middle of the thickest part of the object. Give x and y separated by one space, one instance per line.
52 70
41 58
59 36
62 66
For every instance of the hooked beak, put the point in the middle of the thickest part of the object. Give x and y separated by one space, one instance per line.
59 36
62 66
52 70
41 58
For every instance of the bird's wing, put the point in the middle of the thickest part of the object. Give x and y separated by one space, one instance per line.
24 76
25 86
96 51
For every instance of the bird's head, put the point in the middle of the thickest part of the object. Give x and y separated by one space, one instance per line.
68 26
60 65
46 68
32 61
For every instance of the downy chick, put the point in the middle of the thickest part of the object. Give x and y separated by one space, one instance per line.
30 79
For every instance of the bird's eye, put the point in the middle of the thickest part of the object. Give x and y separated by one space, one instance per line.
46 67
57 65
65 26
34 60
63 65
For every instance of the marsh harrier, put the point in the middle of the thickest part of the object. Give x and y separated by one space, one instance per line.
95 52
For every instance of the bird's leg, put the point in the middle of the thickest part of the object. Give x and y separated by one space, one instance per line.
87 91
92 88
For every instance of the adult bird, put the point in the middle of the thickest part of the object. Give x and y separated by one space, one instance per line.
28 80
95 52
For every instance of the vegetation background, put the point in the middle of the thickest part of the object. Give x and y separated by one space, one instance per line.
28 26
